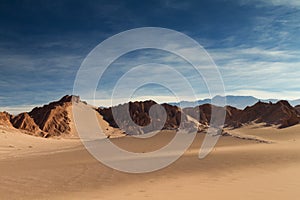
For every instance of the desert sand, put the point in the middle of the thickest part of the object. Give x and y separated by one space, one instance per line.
39 168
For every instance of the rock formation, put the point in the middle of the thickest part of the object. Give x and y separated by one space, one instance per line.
280 113
25 122
54 118
5 118
139 120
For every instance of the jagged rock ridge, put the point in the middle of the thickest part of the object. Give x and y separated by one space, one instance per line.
280 113
139 113
5 118
47 121
54 118
25 122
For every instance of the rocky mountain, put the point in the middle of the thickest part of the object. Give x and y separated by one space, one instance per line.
140 113
5 118
25 122
50 120
54 118
281 114
203 114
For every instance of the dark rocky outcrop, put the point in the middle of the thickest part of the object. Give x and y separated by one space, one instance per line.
139 113
54 117
280 113
25 122
203 114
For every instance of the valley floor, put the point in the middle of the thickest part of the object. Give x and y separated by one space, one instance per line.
38 168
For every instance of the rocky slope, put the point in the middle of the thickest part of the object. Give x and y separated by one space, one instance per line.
50 120
139 112
281 114
203 114
54 118
25 122
5 118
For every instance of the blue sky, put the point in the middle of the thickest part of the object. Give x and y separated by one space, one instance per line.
255 44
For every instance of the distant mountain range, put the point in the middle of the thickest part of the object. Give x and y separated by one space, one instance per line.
56 118
239 102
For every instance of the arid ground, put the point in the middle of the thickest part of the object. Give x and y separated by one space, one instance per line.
40 168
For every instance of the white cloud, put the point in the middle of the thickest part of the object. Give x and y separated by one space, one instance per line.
283 2
248 53
257 71
291 3
17 109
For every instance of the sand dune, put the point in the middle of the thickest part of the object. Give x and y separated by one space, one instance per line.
15 143
236 169
250 162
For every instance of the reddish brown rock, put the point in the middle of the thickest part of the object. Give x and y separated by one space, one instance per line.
203 114
24 122
139 114
54 117
280 113
5 118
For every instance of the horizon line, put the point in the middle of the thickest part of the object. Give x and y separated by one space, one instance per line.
27 108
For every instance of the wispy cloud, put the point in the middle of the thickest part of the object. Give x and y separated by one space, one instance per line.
254 43
261 72
27 78
15 110
292 3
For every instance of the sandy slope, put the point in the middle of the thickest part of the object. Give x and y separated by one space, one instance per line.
236 169
15 143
